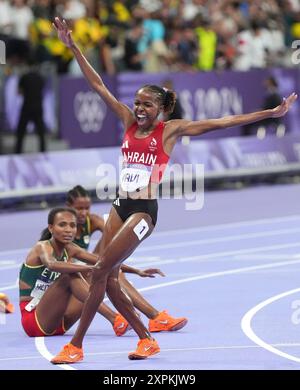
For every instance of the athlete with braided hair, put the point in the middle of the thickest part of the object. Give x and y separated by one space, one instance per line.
147 146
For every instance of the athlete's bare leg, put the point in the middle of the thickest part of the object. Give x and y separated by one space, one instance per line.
51 308
122 241
137 299
139 302
63 300
104 309
80 291
122 302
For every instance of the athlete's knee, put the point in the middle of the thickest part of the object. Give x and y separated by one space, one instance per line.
121 276
64 280
113 285
101 270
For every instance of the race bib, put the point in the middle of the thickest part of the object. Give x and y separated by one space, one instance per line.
141 229
134 176
39 289
86 239
32 304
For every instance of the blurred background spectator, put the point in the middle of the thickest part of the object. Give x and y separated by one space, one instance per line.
31 86
177 34
271 100
146 36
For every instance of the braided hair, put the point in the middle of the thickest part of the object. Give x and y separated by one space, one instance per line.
76 192
166 97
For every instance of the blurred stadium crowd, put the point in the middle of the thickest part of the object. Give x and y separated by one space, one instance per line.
153 35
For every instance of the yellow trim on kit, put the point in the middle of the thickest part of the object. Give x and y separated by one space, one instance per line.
88 220
39 326
66 254
33 266
63 325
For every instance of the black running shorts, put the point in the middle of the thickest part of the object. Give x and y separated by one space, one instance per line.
126 207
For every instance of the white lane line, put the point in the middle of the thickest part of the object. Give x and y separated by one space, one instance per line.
42 349
210 348
14 251
213 255
214 240
12 286
231 225
6 267
7 262
264 256
198 229
40 341
247 329
19 358
197 258
222 273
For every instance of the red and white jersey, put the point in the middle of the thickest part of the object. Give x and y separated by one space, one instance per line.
144 158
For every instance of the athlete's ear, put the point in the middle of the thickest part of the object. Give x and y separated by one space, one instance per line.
50 228
160 111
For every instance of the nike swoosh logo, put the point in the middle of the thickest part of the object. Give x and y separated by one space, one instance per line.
73 356
147 348
121 326
164 322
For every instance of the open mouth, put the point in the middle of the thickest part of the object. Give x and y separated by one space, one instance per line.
141 119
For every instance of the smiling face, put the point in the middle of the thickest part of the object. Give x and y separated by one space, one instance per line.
64 227
146 108
82 205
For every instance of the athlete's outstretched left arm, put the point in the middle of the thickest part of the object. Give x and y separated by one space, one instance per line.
199 127
147 273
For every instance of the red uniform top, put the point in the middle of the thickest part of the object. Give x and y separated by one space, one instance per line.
144 158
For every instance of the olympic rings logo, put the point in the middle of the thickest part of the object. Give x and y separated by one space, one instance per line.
90 111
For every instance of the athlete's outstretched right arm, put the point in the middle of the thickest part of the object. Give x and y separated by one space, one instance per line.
44 252
94 79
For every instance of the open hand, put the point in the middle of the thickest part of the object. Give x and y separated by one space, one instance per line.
63 32
283 108
150 273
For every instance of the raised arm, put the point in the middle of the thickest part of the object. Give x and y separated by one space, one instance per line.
184 127
93 78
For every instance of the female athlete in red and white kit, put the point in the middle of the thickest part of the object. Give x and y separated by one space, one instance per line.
147 146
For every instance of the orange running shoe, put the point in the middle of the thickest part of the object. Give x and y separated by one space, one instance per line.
145 348
164 322
121 326
69 354
5 305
